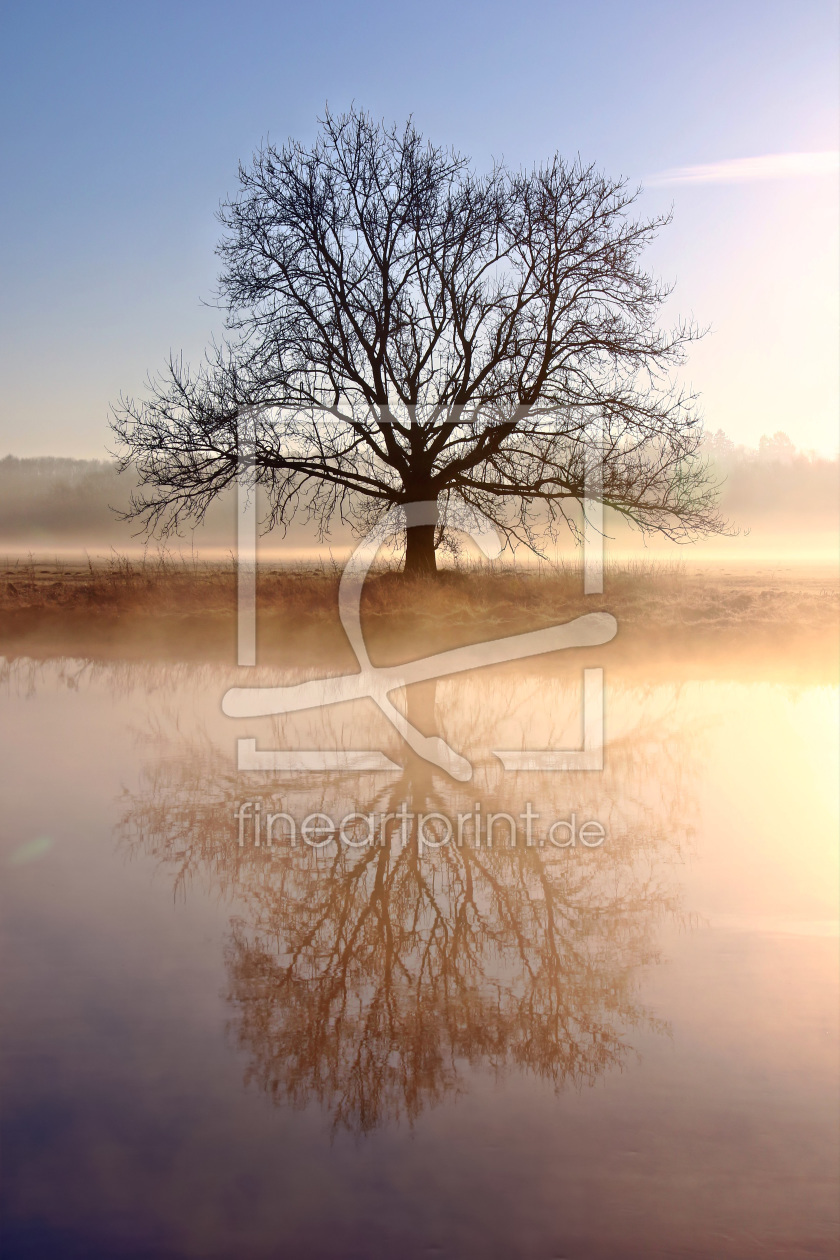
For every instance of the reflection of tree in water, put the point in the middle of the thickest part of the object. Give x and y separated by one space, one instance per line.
367 978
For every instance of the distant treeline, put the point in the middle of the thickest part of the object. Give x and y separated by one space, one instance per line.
51 502
776 483
77 502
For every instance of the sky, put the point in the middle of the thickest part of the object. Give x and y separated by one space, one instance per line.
123 126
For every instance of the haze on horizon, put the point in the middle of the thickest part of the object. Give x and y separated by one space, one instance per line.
781 505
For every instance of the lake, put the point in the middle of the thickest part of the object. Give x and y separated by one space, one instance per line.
582 1013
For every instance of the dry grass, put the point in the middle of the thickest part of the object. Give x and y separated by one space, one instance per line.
117 584
667 594
161 606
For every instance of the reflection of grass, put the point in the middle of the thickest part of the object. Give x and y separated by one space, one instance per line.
164 603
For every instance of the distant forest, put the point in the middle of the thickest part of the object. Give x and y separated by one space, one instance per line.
77 503
74 503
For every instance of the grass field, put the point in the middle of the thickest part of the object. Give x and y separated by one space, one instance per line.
171 609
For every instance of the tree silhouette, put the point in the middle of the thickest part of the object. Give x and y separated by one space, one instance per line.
401 329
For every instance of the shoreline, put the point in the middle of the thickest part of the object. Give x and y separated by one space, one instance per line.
672 621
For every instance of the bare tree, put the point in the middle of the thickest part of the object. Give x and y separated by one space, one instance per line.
401 329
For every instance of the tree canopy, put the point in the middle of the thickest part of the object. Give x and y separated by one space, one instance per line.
403 329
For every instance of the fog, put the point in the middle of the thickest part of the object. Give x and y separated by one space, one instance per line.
777 499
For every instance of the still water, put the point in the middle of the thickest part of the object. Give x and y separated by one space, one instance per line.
215 1047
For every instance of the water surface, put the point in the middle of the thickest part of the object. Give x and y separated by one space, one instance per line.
215 1049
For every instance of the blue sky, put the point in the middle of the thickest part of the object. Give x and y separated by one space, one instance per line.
123 126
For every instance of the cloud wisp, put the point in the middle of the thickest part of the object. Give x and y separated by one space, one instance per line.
751 169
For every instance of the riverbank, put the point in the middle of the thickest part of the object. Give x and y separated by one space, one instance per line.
172 610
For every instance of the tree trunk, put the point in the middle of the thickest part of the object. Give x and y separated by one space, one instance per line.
420 551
